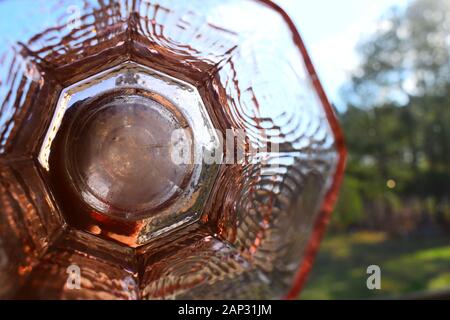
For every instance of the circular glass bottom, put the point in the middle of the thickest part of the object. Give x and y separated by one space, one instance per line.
119 155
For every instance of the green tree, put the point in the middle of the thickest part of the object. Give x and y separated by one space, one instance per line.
398 115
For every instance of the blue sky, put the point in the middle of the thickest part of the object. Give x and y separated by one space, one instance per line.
331 30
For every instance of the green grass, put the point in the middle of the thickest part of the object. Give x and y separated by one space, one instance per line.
407 266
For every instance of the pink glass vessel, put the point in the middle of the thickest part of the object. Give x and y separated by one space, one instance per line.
92 204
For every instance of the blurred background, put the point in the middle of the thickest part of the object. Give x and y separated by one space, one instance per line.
386 67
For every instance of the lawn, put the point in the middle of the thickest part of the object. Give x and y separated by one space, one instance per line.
407 266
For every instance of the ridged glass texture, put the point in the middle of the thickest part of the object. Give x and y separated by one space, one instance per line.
258 225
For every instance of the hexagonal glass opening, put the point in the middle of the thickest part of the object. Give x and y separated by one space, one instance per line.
110 154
